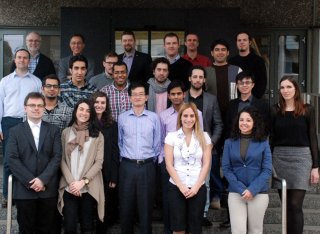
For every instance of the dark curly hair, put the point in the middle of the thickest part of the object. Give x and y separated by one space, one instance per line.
258 131
106 117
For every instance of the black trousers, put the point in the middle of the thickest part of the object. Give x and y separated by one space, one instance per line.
36 216
136 189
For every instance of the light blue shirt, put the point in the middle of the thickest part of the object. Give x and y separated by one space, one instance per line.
139 136
128 59
13 90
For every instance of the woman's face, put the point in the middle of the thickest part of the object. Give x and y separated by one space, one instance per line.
188 118
287 90
245 123
100 105
83 113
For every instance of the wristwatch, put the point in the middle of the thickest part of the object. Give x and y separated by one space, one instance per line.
86 180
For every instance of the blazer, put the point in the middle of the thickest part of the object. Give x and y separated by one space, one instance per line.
27 163
141 67
212 121
44 67
91 170
252 173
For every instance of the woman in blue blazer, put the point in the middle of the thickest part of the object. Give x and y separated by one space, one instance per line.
247 165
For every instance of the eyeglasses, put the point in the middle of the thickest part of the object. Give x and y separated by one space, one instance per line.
138 94
35 41
49 86
243 83
33 106
110 63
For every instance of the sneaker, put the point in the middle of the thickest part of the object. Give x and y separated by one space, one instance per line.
215 204
206 222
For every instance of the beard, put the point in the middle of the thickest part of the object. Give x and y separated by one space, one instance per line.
51 97
196 88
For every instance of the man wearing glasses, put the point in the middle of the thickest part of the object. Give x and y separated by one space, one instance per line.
39 65
13 89
105 78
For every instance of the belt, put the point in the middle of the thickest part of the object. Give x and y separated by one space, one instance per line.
138 161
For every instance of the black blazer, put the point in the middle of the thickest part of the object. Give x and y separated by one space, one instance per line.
141 67
44 67
27 163
111 161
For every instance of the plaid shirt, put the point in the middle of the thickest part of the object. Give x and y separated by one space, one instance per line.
71 94
33 63
119 99
60 115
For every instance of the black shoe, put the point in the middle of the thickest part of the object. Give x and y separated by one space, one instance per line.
225 224
206 222
4 204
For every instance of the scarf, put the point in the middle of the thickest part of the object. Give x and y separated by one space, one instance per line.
155 88
82 135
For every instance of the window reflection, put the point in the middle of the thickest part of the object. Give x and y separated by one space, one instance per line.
10 44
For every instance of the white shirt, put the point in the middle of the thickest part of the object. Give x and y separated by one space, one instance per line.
187 160
35 129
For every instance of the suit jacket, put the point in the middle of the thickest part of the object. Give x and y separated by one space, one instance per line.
212 122
27 163
63 71
44 67
261 105
141 67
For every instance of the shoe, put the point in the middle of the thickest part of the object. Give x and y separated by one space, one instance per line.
215 204
225 224
206 222
4 204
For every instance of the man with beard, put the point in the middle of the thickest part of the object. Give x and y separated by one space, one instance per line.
249 61
158 98
138 63
212 122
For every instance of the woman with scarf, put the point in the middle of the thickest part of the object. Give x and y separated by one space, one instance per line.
81 184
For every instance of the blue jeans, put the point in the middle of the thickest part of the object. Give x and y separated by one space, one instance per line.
215 178
6 124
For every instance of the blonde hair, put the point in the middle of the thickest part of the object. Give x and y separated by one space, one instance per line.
197 129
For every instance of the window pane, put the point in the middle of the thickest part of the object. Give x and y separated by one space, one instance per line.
141 41
10 44
50 46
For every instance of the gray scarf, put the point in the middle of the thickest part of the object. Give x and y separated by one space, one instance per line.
153 89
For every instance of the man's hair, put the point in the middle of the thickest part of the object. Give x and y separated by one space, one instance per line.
131 33
120 63
110 54
170 34
191 33
78 35
160 60
219 42
33 32
50 77
138 84
34 95
245 74
77 58
176 84
197 67
243 32
22 49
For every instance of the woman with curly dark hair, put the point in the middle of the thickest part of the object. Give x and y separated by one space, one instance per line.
109 129
247 165
295 149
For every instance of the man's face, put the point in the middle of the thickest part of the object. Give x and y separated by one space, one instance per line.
161 72
243 42
120 75
220 54
108 64
192 42
78 71
34 109
245 85
76 45
33 42
138 97
51 89
22 60
128 43
176 96
171 46
197 79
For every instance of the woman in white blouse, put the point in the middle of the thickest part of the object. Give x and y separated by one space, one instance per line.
187 155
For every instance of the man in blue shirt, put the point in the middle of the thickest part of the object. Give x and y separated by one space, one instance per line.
139 144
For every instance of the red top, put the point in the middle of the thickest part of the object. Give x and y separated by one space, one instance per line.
199 60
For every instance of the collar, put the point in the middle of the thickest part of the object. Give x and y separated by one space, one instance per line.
84 86
181 134
27 74
144 112
32 124
128 55
174 59
114 87
35 57
248 100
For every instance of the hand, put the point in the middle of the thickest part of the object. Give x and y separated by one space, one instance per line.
76 186
37 185
314 177
1 136
192 191
112 185
184 190
247 195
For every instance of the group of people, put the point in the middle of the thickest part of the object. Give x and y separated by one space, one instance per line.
95 148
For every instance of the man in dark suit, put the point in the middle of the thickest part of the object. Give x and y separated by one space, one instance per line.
34 153
212 122
138 63
39 65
